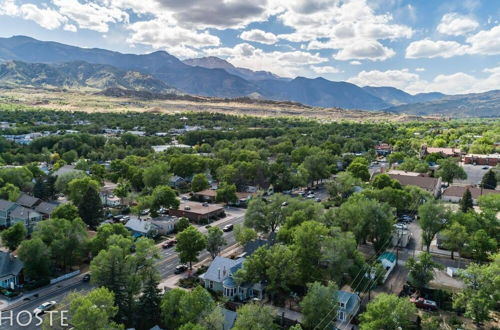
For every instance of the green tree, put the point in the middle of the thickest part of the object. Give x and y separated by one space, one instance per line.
466 203
226 193
170 307
384 180
150 299
421 269
266 215
70 156
77 188
434 217
62 181
482 290
319 306
163 196
90 208
244 234
481 245
104 232
182 224
343 186
66 211
254 317
10 192
156 175
489 180
36 257
215 241
490 202
359 168
122 190
190 242
450 170
196 305
199 182
13 236
388 312
455 238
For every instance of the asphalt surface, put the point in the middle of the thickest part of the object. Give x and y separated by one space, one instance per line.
166 266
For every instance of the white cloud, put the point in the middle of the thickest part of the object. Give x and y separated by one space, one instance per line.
259 36
365 50
70 28
161 34
485 42
45 17
355 63
456 25
394 78
430 49
420 69
324 69
90 15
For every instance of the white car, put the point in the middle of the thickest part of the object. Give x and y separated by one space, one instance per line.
46 306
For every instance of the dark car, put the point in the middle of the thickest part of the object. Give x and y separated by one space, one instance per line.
424 303
228 228
86 278
180 269
169 243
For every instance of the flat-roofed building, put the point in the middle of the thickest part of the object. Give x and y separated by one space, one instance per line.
198 212
455 193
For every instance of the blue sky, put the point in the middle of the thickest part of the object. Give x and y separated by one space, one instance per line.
449 46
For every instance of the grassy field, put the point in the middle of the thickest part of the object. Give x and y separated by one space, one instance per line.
92 102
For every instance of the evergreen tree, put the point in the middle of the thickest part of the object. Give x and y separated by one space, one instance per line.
90 207
466 201
489 180
150 300
39 189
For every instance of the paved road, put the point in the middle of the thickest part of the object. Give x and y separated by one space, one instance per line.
166 266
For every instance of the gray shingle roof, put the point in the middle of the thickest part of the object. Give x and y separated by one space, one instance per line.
21 212
46 208
6 205
9 265
220 263
27 200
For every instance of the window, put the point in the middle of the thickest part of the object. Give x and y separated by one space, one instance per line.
342 305
342 316
211 284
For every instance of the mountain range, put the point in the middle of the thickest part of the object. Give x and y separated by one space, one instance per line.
56 64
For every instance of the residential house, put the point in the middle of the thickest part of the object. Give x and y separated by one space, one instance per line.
28 201
349 304
65 169
165 224
219 277
6 208
207 195
432 185
388 261
176 181
10 270
198 212
455 193
46 209
383 149
27 216
142 228
445 152
489 160
110 200
243 199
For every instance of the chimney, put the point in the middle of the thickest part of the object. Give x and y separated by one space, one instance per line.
219 274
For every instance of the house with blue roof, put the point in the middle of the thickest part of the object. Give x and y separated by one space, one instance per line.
388 261
349 304
220 278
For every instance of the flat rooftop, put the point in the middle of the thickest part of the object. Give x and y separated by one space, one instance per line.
199 208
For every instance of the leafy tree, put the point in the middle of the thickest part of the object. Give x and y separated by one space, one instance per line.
122 190
18 176
421 269
319 306
434 217
466 203
254 317
343 186
62 181
359 168
190 242
489 180
77 188
10 192
170 307
412 164
455 238
266 215
490 202
156 175
214 320
39 189
70 156
244 234
199 182
192 326
316 166
481 245
90 208
215 241
482 290
449 170
66 211
163 196
182 224
104 232
13 236
276 266
195 305
226 193
388 312
384 180
36 257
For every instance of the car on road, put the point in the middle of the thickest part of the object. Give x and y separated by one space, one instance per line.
423 303
486 168
86 278
46 306
169 243
180 269
228 228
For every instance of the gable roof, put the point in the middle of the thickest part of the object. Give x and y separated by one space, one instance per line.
349 299
140 226
458 191
27 200
46 208
423 182
21 212
388 256
9 265
221 264
6 205
229 318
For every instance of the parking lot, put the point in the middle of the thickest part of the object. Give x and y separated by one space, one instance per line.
474 174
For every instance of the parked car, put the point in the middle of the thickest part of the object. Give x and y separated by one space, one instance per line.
486 168
422 303
318 200
311 196
400 226
169 243
46 306
228 228
145 212
180 269
86 278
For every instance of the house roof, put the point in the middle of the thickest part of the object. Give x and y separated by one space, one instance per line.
252 246
46 208
207 193
65 169
351 300
458 191
139 226
21 212
388 256
27 200
220 265
6 205
9 265
423 182
200 208
444 151
229 318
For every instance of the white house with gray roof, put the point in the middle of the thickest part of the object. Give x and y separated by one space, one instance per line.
27 216
6 208
220 278
349 304
10 270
